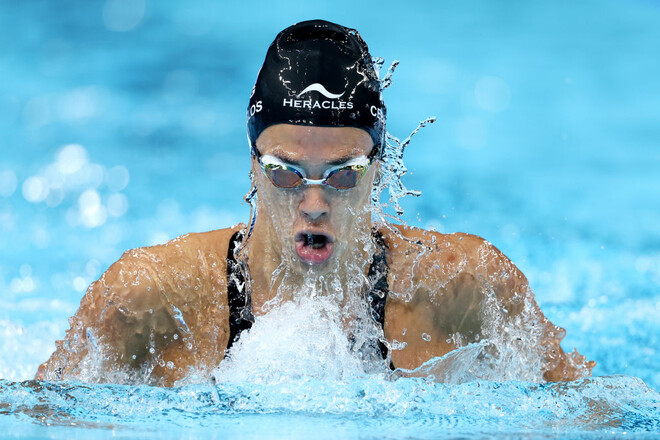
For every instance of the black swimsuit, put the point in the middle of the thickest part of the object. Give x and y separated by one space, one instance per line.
240 304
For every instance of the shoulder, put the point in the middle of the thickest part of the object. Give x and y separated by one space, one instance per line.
405 242
188 266
185 248
431 259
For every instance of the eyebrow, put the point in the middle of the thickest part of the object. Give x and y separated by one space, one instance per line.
338 161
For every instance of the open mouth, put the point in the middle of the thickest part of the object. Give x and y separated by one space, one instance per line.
313 247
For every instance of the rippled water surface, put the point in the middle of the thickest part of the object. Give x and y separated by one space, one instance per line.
122 125
417 408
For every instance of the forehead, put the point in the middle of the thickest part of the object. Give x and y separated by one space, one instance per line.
314 144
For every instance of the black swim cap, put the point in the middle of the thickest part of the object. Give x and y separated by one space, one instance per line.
317 73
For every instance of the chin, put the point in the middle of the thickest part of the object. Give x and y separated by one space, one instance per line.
319 268
314 266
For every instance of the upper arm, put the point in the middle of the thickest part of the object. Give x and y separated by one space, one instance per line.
161 309
476 293
119 319
512 298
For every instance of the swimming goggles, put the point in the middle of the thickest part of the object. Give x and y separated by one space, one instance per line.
340 177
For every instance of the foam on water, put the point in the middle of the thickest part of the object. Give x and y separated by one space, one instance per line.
605 406
296 341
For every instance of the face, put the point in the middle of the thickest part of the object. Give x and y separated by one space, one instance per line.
312 224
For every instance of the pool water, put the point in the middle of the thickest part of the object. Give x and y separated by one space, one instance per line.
123 126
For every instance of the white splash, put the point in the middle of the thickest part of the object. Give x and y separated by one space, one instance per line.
302 339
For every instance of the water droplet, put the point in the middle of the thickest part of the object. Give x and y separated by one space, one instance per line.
426 337
152 350
170 365
92 212
71 159
134 357
35 189
175 337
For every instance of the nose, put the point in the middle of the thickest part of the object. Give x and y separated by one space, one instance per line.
314 205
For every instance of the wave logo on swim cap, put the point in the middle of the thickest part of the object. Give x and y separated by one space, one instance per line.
332 101
317 87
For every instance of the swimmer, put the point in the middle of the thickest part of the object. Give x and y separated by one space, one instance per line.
316 131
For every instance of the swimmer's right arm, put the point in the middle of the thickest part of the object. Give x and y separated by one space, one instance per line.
159 313
121 318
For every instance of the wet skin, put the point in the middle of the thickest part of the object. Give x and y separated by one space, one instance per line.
166 305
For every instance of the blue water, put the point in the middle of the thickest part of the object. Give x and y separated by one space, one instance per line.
118 122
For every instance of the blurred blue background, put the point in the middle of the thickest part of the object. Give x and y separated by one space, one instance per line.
122 124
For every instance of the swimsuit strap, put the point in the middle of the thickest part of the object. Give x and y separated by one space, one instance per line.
377 296
240 304
238 296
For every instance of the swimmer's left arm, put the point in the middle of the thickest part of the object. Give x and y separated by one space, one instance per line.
502 281
460 288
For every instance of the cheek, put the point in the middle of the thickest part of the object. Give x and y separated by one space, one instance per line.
360 196
276 207
351 206
275 199
357 200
